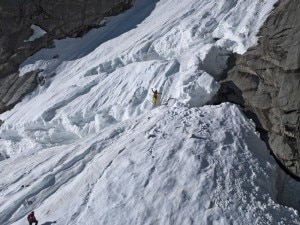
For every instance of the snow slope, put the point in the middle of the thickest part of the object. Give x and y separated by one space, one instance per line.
89 148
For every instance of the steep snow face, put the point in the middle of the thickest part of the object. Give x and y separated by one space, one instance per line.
175 166
176 47
88 147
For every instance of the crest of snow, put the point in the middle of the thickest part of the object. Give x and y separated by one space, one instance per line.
37 33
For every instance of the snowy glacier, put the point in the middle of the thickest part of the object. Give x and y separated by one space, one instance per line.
90 148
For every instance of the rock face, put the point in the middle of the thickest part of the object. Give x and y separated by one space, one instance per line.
266 82
13 88
59 18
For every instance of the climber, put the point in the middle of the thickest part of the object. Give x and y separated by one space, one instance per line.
155 96
41 80
31 219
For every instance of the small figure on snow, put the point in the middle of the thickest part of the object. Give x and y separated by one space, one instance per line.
31 219
155 96
41 80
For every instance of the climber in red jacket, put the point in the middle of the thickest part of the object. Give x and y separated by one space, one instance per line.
31 219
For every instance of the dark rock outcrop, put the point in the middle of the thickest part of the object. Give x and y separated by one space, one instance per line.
59 18
266 82
14 87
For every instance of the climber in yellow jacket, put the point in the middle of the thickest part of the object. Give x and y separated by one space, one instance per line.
155 96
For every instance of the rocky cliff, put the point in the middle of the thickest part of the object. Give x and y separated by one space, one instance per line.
59 19
266 82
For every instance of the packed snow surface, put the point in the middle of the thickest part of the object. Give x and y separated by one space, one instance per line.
37 33
89 147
